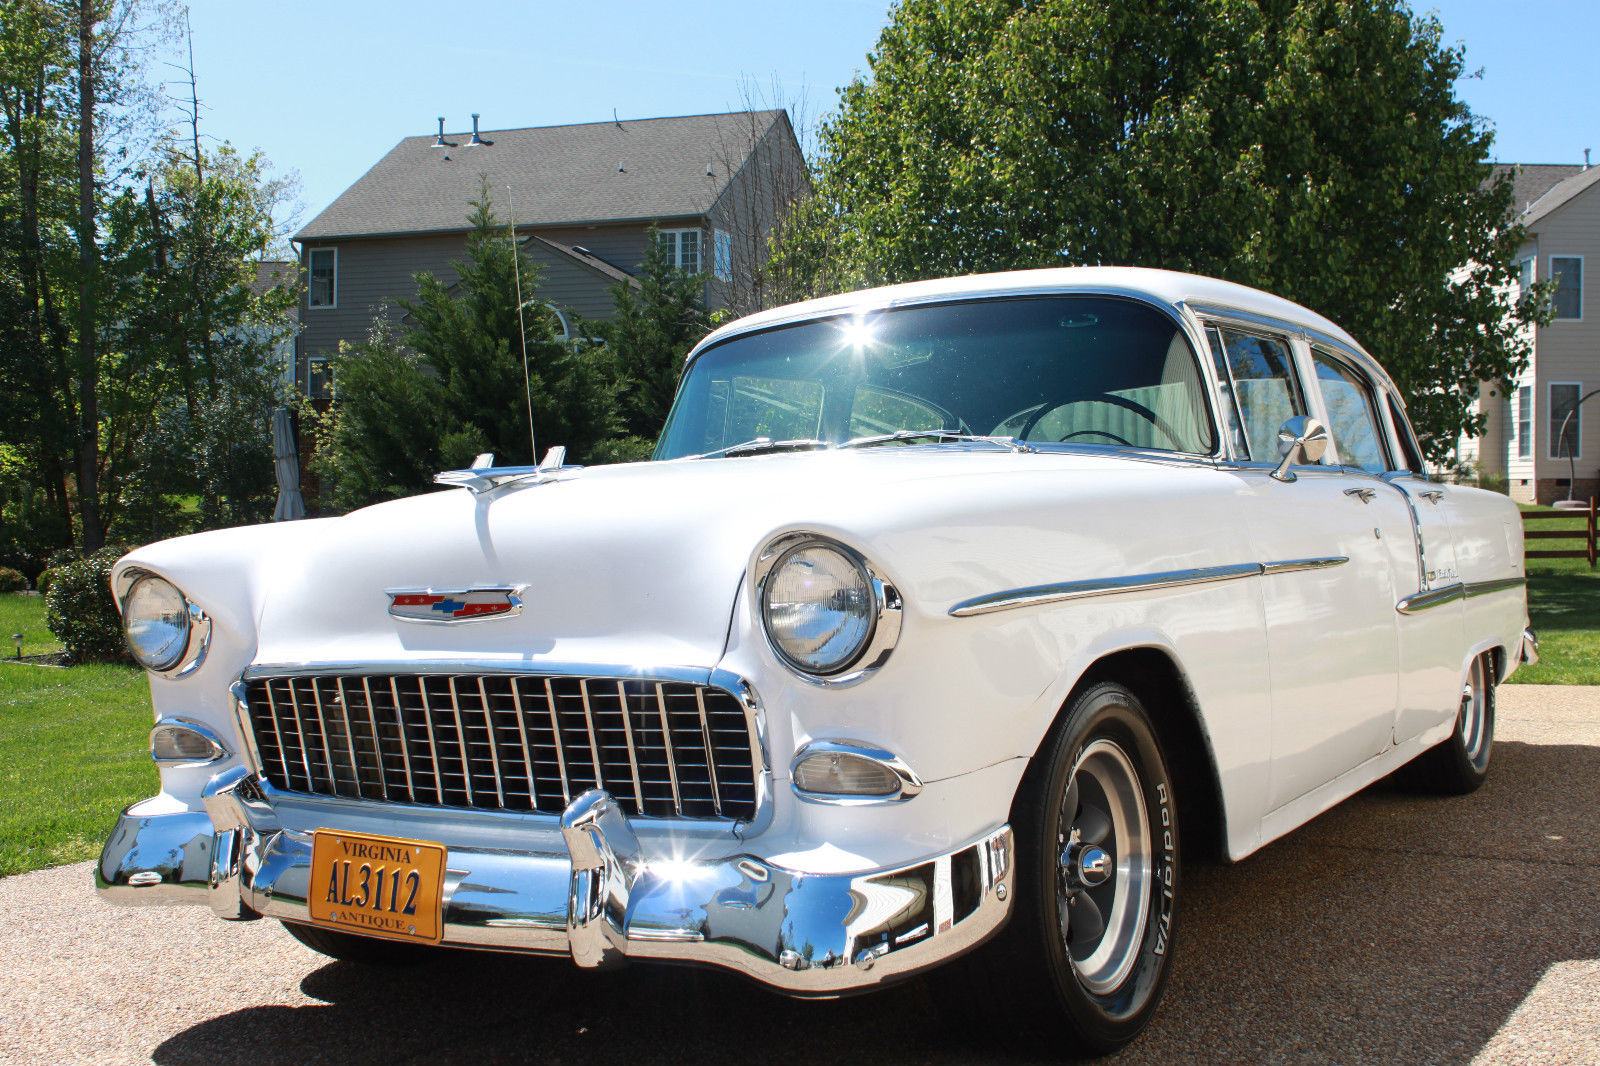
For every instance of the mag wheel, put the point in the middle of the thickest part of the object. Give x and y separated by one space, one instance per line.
1086 954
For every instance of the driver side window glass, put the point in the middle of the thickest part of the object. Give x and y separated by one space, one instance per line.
1261 373
1352 417
874 411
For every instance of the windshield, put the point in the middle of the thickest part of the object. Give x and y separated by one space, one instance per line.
1079 369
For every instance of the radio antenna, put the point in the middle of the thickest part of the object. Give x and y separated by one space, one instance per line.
522 330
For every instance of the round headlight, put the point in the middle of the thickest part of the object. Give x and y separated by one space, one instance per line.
155 618
819 606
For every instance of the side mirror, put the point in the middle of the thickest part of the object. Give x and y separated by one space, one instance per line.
1301 441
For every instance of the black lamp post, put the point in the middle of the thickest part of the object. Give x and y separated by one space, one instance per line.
1572 461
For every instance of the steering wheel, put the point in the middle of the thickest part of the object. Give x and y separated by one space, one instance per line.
1113 400
1098 433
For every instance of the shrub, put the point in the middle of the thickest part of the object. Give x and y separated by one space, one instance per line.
12 580
45 578
79 609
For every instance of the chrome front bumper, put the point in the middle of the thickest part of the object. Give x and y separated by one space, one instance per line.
598 895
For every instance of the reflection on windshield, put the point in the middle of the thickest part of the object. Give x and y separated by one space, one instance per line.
1079 369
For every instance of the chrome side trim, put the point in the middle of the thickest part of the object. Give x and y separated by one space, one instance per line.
1422 601
1289 566
1484 588
910 783
1458 590
1059 592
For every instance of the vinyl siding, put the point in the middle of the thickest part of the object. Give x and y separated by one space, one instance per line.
1569 351
772 178
374 275
571 285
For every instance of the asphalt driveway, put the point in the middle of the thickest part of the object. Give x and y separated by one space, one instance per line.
1396 927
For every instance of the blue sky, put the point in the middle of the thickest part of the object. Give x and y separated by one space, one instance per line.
325 87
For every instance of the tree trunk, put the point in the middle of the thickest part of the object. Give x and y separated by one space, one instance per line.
88 268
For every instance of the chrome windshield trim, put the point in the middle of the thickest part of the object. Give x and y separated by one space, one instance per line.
1035 595
1059 592
1422 601
1289 566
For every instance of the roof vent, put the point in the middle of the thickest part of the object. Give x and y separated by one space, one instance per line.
711 169
475 138
439 141
1586 159
621 169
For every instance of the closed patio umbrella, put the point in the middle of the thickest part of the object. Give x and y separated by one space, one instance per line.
286 465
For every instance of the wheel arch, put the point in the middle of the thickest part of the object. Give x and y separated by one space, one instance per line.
1155 676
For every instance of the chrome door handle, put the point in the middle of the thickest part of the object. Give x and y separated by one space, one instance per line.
1432 495
1364 495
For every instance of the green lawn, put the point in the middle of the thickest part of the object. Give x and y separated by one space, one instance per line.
1564 602
73 749
25 615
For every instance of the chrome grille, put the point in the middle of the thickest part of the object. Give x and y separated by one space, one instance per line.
512 742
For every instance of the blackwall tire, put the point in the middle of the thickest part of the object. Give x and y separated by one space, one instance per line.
1063 991
364 950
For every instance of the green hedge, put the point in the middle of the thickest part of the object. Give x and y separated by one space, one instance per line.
12 580
79 609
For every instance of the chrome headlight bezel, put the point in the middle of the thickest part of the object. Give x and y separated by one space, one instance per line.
885 607
198 637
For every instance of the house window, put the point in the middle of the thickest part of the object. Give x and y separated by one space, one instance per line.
1525 274
319 377
723 249
322 288
683 248
1525 422
1567 270
1563 402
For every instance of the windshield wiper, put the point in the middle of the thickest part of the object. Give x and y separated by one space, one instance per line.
939 436
758 445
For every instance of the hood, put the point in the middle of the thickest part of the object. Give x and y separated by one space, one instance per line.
635 565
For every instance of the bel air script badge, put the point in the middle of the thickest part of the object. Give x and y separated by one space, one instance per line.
455 605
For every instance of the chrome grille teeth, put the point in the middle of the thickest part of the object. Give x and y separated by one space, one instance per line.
665 749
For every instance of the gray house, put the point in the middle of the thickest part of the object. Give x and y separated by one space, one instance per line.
584 198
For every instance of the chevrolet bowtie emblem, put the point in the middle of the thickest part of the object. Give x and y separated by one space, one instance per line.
455 605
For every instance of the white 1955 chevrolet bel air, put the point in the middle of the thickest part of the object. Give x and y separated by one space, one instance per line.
942 613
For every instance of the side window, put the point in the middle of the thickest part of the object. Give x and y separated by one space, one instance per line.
1260 373
877 410
1352 415
322 287
780 408
1410 453
319 377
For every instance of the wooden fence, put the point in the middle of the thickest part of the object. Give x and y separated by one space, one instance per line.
1580 525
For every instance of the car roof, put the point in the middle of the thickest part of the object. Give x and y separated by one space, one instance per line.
1166 286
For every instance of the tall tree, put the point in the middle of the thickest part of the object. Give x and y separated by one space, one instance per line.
89 15
657 321
1314 148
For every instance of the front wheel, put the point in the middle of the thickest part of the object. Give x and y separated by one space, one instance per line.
1097 878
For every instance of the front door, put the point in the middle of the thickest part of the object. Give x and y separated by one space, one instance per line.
1328 587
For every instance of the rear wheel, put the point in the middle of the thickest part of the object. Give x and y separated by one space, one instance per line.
1461 764
365 950
1085 957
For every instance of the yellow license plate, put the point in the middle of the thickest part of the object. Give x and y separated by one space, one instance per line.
378 886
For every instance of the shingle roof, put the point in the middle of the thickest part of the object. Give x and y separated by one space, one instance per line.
1530 181
583 257
593 172
271 273
1559 194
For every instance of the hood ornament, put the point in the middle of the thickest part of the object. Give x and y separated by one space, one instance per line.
483 476
441 606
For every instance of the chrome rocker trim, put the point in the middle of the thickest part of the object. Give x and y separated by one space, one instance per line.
1422 601
1059 592
596 892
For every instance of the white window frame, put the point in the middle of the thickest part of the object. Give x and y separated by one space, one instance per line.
1531 263
326 363
333 304
1524 448
1581 280
722 254
676 254
1577 420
